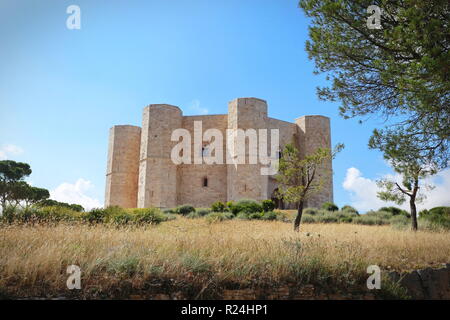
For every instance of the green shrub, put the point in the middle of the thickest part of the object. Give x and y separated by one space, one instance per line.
203 212
185 209
311 211
349 209
169 211
437 218
399 221
308 218
96 215
327 218
219 216
193 215
269 215
245 205
282 216
148 216
345 219
121 218
242 216
330 206
218 206
383 215
268 205
395 211
440 211
370 220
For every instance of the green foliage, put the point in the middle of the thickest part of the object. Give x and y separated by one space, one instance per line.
193 215
399 71
246 206
311 211
218 206
268 205
54 203
185 209
13 189
369 220
330 206
269 215
218 216
349 209
203 212
437 218
395 211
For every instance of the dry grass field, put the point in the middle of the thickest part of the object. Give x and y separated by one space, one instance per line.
33 259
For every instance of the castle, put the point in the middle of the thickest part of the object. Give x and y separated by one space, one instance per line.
141 173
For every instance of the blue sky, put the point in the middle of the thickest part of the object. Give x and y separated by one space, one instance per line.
61 90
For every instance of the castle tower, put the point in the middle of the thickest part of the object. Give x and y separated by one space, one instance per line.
157 172
314 132
245 180
123 166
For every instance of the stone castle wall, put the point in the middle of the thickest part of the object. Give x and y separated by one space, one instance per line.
141 173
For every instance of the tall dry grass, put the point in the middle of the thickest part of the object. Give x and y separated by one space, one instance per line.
233 251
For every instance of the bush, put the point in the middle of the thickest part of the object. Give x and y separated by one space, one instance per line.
383 215
437 218
121 218
330 206
268 205
97 215
308 218
327 218
219 216
349 209
203 212
148 216
193 215
345 219
185 209
395 211
247 206
311 211
370 220
269 215
218 206
399 221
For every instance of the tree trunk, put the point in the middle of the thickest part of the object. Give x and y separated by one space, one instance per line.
412 205
298 218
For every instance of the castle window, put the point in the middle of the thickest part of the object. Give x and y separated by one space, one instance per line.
205 181
205 151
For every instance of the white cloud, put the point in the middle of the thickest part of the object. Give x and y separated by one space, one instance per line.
77 193
363 191
194 106
8 150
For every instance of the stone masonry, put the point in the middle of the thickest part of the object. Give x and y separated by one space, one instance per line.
140 172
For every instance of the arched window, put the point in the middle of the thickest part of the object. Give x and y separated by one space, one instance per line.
205 181
205 151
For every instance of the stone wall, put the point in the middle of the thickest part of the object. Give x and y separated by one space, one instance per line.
425 283
123 166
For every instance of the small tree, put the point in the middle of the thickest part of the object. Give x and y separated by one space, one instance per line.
403 156
299 178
